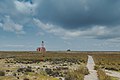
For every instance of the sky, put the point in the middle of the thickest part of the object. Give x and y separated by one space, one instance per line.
79 25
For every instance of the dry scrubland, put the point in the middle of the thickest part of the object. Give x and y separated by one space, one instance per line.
56 65
106 61
33 66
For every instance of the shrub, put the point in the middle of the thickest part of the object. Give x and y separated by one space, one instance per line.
24 70
2 73
96 67
72 75
107 61
25 79
77 74
48 71
83 70
102 75
42 72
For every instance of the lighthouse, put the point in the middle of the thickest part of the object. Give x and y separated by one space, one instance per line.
42 49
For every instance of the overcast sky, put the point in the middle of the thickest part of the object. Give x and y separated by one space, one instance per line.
84 25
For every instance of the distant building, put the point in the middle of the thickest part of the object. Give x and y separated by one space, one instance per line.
68 50
42 49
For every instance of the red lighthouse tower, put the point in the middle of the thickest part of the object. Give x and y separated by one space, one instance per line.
42 49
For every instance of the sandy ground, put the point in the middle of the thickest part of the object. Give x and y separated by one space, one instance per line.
113 73
90 66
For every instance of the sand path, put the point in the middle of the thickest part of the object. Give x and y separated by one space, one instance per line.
113 73
90 66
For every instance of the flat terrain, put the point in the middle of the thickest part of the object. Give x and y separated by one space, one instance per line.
109 63
59 65
33 66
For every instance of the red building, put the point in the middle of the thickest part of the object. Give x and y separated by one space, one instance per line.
42 49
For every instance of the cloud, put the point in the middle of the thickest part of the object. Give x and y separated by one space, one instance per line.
68 34
82 14
98 19
40 34
25 7
14 45
115 40
10 25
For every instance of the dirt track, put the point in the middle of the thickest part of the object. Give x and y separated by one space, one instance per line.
90 66
113 73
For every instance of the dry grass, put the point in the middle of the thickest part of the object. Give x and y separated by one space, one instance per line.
49 55
31 76
77 74
102 75
107 61
52 56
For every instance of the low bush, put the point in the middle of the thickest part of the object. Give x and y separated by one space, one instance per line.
102 75
24 70
77 74
72 75
107 61
2 73
96 67
26 79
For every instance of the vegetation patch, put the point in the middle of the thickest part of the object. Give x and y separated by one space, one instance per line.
54 65
102 76
77 74
2 73
107 61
